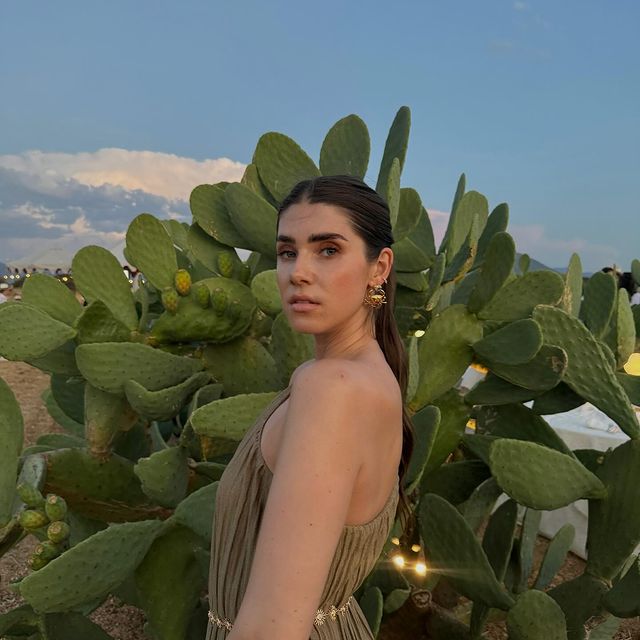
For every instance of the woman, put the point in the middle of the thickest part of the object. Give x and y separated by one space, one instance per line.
307 502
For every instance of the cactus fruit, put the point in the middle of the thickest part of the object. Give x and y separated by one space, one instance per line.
36 562
30 495
225 265
219 301
58 531
170 300
48 550
203 297
31 519
55 507
182 282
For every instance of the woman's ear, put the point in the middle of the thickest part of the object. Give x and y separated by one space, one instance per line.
384 264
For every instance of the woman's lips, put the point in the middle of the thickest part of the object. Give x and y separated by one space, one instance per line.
304 305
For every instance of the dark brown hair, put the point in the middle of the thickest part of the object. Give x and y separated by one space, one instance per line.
369 217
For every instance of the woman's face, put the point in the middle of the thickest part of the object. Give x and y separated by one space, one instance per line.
319 256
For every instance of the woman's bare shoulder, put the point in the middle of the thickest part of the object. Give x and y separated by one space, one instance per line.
347 378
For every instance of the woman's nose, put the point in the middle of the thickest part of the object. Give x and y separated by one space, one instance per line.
301 270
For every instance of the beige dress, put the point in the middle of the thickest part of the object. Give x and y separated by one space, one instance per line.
240 501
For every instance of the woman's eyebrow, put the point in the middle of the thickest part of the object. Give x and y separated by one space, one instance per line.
314 237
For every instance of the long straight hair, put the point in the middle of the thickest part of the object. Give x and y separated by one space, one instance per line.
369 217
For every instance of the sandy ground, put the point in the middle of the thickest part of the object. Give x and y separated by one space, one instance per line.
121 621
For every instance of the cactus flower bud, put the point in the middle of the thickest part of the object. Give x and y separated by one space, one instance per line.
47 550
182 282
32 519
219 301
30 495
202 295
225 265
55 507
58 531
36 562
170 300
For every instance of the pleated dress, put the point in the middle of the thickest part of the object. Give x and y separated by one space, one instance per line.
240 500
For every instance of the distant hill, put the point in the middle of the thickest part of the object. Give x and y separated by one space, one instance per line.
534 265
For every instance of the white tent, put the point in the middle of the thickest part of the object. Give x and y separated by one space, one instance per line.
52 258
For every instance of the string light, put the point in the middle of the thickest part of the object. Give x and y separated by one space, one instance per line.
398 560
395 540
421 568
419 333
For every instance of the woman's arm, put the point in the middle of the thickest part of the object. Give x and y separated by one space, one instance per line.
317 466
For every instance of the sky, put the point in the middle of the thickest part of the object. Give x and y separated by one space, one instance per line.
112 108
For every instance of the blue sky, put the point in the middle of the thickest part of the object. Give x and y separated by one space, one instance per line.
113 108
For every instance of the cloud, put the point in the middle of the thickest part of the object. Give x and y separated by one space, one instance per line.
161 174
520 6
71 200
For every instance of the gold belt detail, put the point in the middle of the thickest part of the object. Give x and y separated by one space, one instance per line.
320 618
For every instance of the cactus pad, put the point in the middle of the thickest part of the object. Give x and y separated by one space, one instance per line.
91 569
51 296
164 475
536 616
539 477
11 437
109 365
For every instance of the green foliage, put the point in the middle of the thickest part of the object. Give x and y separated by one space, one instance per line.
156 388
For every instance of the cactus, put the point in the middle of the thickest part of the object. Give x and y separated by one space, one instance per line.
192 323
169 610
202 295
99 276
395 147
496 268
32 519
264 287
588 373
51 296
288 347
12 437
55 507
164 476
539 477
230 417
444 352
166 403
182 282
555 555
572 296
521 423
254 218
517 343
170 300
151 250
98 324
456 554
242 366
536 616
31 496
517 298
281 163
39 333
97 565
58 531
371 604
623 599
600 297
618 512
109 365
416 250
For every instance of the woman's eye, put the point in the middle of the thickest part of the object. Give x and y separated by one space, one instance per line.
284 251
330 249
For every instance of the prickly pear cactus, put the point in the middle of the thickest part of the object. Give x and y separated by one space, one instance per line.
155 388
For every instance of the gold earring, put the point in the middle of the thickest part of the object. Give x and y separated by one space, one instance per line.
375 296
